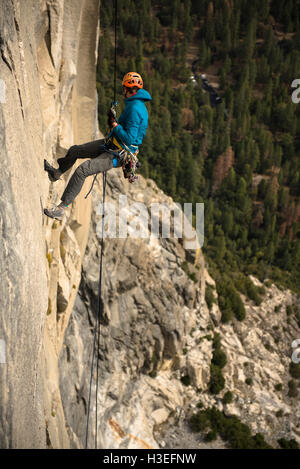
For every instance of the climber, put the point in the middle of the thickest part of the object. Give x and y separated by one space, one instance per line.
125 135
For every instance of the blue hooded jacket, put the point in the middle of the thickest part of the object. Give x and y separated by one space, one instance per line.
133 122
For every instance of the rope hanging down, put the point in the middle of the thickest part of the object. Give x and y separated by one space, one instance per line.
99 304
115 65
115 80
97 331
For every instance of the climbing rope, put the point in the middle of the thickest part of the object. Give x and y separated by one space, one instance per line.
96 342
115 64
97 330
91 188
115 80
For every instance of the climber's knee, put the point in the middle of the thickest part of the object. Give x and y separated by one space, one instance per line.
83 169
73 151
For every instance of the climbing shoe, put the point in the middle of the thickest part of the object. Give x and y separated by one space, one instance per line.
53 174
56 212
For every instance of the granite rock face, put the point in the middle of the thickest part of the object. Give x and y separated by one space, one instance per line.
47 103
156 341
149 307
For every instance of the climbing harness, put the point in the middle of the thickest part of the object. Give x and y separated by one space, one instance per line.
128 160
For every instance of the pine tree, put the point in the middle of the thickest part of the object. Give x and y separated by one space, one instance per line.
220 246
249 42
270 198
227 38
227 221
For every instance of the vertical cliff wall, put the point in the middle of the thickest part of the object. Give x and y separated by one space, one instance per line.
48 102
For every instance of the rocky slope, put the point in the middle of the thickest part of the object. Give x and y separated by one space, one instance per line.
156 329
47 63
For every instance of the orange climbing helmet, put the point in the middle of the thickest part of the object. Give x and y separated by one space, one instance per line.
132 79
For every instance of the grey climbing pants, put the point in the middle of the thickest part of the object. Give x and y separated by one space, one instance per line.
100 160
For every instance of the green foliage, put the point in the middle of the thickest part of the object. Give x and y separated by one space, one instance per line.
211 436
293 311
219 360
217 381
200 421
246 286
293 391
230 429
191 275
186 137
227 399
295 370
268 347
209 296
288 444
186 380
230 302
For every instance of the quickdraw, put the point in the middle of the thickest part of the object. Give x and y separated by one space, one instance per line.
130 165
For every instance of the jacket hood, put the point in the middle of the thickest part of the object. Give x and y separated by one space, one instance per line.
141 94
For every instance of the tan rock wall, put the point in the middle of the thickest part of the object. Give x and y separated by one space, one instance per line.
48 64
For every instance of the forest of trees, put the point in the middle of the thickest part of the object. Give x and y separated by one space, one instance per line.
244 163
